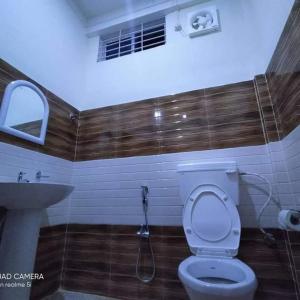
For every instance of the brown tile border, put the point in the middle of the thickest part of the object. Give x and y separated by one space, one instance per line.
219 117
49 261
100 259
214 118
283 74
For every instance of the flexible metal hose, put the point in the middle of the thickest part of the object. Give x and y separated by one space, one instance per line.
151 277
268 236
145 234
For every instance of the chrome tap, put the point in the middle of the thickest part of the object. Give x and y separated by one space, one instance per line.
39 175
143 231
20 178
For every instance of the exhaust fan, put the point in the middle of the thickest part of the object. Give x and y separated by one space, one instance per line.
203 21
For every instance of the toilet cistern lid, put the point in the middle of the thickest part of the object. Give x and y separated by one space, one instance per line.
211 222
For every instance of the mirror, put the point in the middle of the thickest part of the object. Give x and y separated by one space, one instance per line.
24 111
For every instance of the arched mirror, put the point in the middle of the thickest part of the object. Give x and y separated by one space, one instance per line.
24 111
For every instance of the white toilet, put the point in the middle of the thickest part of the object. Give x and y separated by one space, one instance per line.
210 192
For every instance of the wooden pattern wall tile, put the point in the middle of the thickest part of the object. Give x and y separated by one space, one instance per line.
61 133
218 117
272 266
97 134
233 116
100 259
294 243
235 135
49 261
86 282
283 74
269 120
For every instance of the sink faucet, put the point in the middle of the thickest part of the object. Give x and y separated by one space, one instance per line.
20 178
39 175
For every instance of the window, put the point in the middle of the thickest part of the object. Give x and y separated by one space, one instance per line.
126 41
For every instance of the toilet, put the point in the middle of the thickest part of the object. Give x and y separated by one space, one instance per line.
211 222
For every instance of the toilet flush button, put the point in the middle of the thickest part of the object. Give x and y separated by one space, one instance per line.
189 231
236 231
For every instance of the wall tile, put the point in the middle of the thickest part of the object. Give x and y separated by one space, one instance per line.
118 280
86 268
283 74
268 118
191 121
108 191
49 261
291 149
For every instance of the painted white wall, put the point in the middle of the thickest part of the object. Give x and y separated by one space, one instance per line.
235 54
267 18
46 41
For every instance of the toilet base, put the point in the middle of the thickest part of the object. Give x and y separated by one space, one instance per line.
217 278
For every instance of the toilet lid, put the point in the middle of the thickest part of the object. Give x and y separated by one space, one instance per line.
211 222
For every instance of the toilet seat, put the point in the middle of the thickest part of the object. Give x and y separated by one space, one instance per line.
210 191
211 222
192 269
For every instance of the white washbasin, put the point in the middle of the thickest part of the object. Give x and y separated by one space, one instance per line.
25 203
15 195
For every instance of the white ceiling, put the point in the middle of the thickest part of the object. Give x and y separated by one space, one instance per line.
98 9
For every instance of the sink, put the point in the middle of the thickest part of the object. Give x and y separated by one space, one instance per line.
15 195
25 203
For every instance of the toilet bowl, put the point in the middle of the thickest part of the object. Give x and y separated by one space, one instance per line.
213 279
211 222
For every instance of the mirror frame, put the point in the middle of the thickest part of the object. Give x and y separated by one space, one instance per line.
4 109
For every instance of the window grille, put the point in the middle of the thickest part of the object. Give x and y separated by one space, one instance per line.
126 41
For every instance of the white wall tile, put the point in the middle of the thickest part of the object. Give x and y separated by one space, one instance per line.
291 148
108 191
112 187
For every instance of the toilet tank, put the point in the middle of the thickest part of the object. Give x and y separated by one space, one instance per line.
222 174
